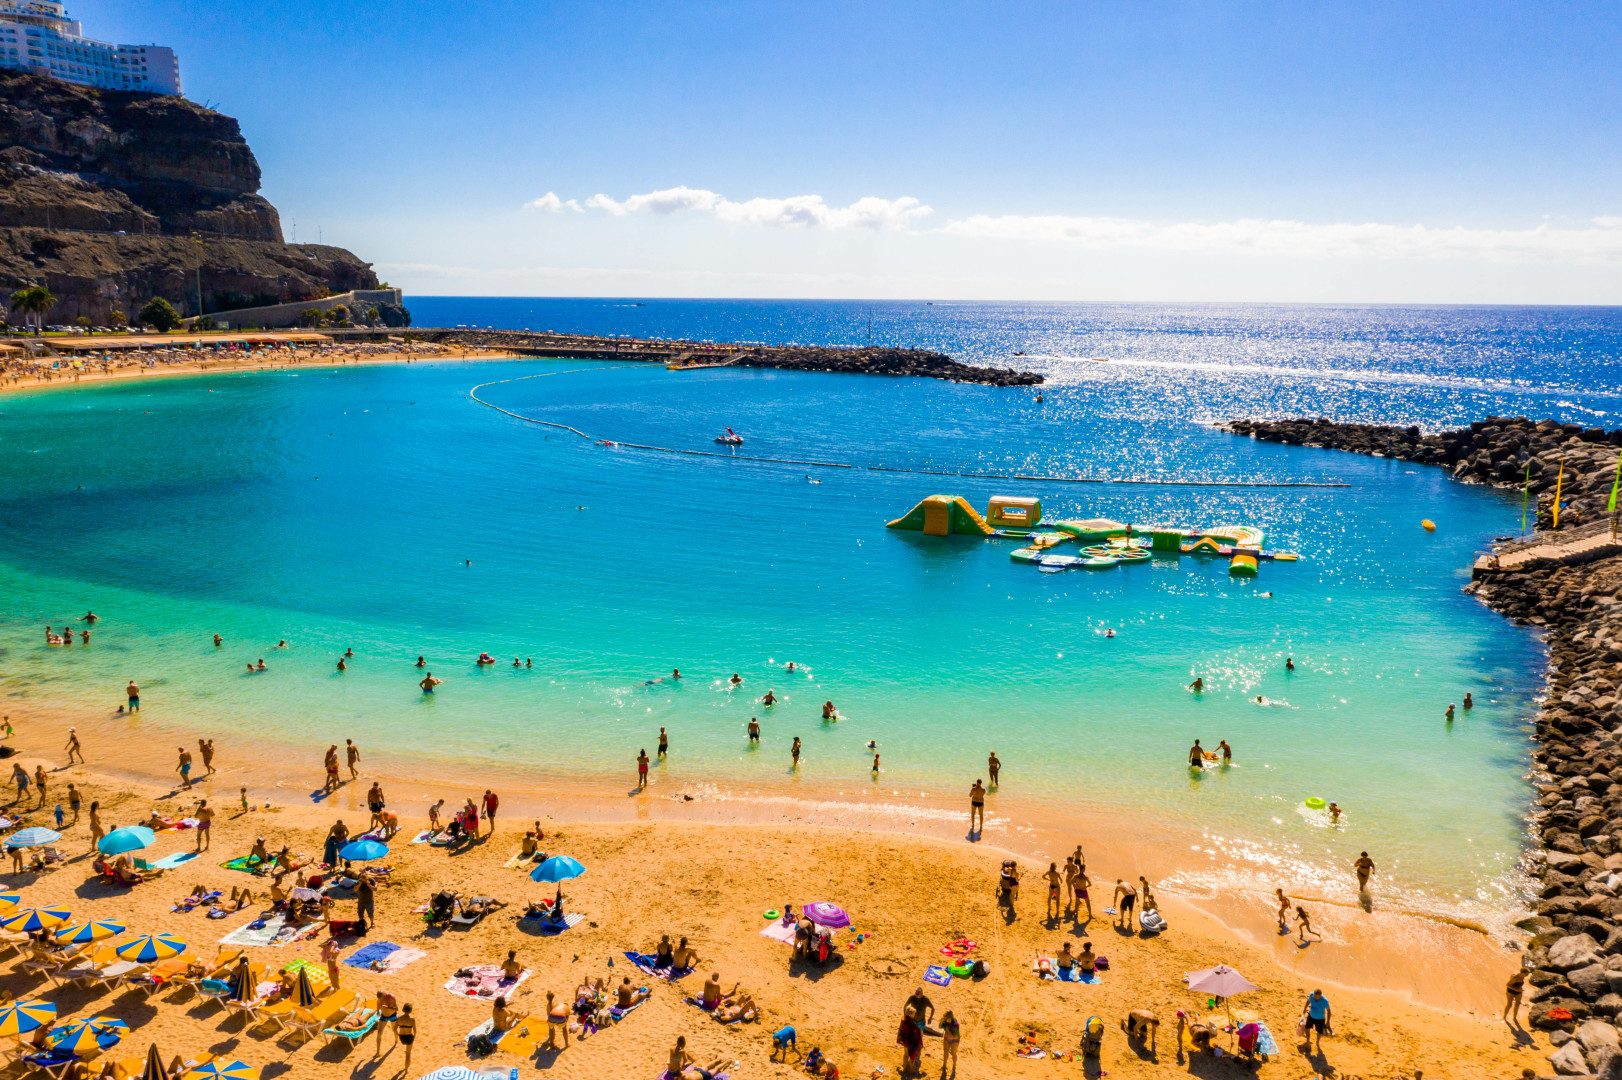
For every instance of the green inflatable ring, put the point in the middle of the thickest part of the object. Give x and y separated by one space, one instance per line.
770 913
1315 803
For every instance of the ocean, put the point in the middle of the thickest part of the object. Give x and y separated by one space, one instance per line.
381 508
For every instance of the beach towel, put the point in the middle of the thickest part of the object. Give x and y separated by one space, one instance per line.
191 902
698 1003
938 975
1266 1043
778 932
246 864
371 957
270 931
423 837
169 862
645 964
550 927
520 861
483 981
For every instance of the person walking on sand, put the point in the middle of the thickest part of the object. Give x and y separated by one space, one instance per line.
1512 997
388 1015
1055 882
642 770
1283 911
993 767
133 692
1365 870
977 808
331 764
664 743
205 819
365 903
1317 1015
352 756
184 767
73 748
97 830
75 802
39 783
205 747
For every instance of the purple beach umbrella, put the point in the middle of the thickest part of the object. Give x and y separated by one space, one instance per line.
824 914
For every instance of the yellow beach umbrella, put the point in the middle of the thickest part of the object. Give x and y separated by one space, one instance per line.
30 919
155 1069
25 1015
9 901
144 950
85 932
215 1070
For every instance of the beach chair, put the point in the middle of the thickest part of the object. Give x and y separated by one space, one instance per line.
310 1022
116 973
331 1032
482 906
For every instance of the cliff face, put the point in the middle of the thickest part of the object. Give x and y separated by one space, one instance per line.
165 162
79 166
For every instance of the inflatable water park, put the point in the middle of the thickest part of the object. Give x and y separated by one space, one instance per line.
1101 544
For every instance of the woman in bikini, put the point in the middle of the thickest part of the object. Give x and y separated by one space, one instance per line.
405 1030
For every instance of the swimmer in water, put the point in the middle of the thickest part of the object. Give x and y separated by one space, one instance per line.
811 481
282 644
829 712
1289 663
675 673
769 700
872 744
429 682
261 666
1109 633
1450 712
735 680
341 665
1260 700
218 640
421 662
90 616
1267 594
516 663
1198 685
791 665
1468 704
875 763
1334 814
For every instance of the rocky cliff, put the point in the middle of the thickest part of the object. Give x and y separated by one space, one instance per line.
79 167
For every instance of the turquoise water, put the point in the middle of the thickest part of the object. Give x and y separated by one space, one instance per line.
338 508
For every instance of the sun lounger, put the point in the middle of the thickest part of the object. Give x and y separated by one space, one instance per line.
53 1063
117 972
484 904
357 1034
310 1022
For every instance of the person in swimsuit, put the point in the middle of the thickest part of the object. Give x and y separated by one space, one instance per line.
1196 755
1468 704
664 743
1512 997
388 1013
1365 870
205 819
679 1057
828 710
1198 685
951 1035
1226 751
405 1030
557 1019
735 680
663 954
1334 814
642 770
1304 925
1065 960
421 662
429 682
1283 911
754 730
73 746
1055 882
1126 898
794 751
184 768
133 692
977 807
352 756
1008 883
629 995
993 767
769 700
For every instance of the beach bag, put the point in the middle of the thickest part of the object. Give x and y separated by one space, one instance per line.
480 1045
1301 1025
981 969
1101 964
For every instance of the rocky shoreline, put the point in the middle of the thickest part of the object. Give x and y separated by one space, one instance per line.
1573 960
916 363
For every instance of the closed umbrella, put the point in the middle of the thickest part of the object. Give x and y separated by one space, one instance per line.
144 950
557 868
86 932
303 995
34 837
129 838
242 987
29 920
25 1015
824 914
155 1069
364 850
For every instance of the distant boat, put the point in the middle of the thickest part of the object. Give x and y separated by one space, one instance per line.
1018 353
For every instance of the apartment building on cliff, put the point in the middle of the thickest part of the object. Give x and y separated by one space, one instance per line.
38 36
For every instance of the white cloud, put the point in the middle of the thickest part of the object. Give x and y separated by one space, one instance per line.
552 204
797 211
1599 241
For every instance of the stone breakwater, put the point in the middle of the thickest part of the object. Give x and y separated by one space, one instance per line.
919 363
1503 451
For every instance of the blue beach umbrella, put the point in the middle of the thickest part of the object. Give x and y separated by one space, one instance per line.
155 1068
557 868
10 900
452 1072
34 837
23 1016
129 838
86 932
303 993
364 850
88 1036
144 950
223 1070
29 920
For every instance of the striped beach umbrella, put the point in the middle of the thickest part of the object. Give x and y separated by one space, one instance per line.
223 1070
452 1072
31 919
34 837
25 1015
144 950
10 900
88 1036
155 1069
241 984
86 932
303 995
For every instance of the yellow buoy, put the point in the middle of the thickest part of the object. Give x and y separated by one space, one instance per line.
1428 525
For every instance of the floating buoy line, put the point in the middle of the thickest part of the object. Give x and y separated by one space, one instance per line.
616 443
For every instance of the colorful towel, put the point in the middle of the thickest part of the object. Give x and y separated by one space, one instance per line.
483 981
244 863
549 927
270 931
645 964
938 975
371 957
169 862
423 837
1265 1042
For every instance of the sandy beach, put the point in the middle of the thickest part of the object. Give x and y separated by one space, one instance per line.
659 864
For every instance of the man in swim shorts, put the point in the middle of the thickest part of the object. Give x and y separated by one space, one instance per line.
993 767
977 807
133 692
184 768
1196 755
754 730
1126 898
664 743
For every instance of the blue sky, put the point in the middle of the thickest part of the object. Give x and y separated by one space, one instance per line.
1380 152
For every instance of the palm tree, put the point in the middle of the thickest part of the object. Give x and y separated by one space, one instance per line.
33 300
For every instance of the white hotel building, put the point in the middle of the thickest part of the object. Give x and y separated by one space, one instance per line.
38 36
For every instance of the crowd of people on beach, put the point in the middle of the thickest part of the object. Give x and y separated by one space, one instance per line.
75 365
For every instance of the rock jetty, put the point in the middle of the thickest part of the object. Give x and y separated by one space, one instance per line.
1573 960
918 363
1500 450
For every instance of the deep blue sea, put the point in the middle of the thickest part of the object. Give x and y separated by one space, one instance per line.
383 509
